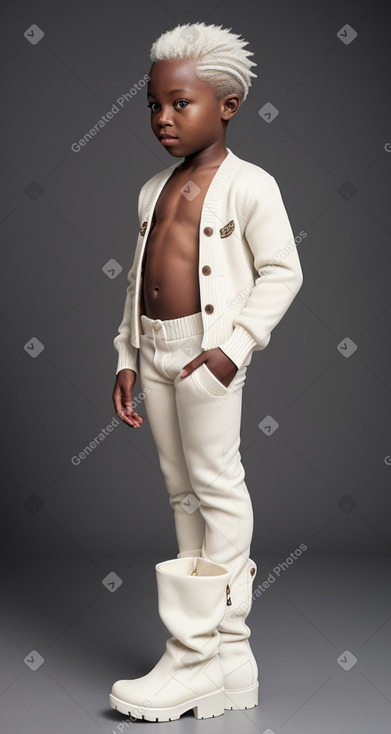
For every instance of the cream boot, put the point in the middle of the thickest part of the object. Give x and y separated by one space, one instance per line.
239 664
192 600
238 661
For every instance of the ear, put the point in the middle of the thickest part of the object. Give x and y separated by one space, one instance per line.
229 106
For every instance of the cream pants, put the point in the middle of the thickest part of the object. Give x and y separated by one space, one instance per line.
195 422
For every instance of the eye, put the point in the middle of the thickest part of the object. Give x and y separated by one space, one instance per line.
181 100
151 106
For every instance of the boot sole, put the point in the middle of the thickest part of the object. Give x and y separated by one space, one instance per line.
241 698
204 707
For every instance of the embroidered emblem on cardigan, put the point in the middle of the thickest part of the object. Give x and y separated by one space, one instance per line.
227 229
143 228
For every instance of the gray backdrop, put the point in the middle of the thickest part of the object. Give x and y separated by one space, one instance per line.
69 227
323 477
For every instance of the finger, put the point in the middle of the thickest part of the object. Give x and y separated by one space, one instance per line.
135 420
123 409
131 418
191 366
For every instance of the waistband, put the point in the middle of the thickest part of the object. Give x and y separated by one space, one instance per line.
172 328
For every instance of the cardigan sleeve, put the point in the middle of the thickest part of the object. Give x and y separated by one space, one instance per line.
270 238
127 353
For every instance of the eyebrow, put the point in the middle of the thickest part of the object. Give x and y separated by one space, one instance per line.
172 91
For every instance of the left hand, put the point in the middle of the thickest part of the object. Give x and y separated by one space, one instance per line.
217 361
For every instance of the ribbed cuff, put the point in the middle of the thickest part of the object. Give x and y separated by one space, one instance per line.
238 345
127 358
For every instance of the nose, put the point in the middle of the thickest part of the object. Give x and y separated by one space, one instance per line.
163 117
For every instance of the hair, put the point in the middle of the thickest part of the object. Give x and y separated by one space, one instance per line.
221 59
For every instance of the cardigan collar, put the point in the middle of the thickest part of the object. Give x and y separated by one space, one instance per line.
224 172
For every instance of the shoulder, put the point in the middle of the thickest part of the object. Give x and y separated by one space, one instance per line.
252 181
251 171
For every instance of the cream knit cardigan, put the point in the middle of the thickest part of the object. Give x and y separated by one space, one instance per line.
246 239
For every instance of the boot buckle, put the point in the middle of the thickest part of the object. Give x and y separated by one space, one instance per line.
229 600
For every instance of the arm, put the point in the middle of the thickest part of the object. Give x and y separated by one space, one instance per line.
127 353
126 372
270 238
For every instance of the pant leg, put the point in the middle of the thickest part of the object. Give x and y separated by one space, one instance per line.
160 407
209 416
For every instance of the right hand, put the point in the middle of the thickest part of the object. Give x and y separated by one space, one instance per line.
123 398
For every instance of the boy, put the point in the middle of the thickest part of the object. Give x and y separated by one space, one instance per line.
214 271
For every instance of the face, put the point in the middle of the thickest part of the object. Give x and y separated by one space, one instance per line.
185 107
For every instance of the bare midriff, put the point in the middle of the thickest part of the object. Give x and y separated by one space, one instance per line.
170 285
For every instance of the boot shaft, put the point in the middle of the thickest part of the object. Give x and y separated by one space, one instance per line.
192 596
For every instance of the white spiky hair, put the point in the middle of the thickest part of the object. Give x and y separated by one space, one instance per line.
221 59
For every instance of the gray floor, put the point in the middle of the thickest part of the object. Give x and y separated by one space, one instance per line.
306 627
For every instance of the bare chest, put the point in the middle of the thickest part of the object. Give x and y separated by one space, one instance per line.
182 199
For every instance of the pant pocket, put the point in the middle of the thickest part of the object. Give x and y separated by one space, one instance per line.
208 383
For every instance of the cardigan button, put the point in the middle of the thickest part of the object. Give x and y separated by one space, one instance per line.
206 270
208 231
209 308
156 325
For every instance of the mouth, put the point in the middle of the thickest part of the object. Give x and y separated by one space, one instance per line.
166 139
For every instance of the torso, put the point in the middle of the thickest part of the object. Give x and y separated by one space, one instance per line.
170 286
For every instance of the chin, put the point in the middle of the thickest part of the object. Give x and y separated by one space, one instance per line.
173 153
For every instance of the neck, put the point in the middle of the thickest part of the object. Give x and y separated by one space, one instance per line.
210 157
